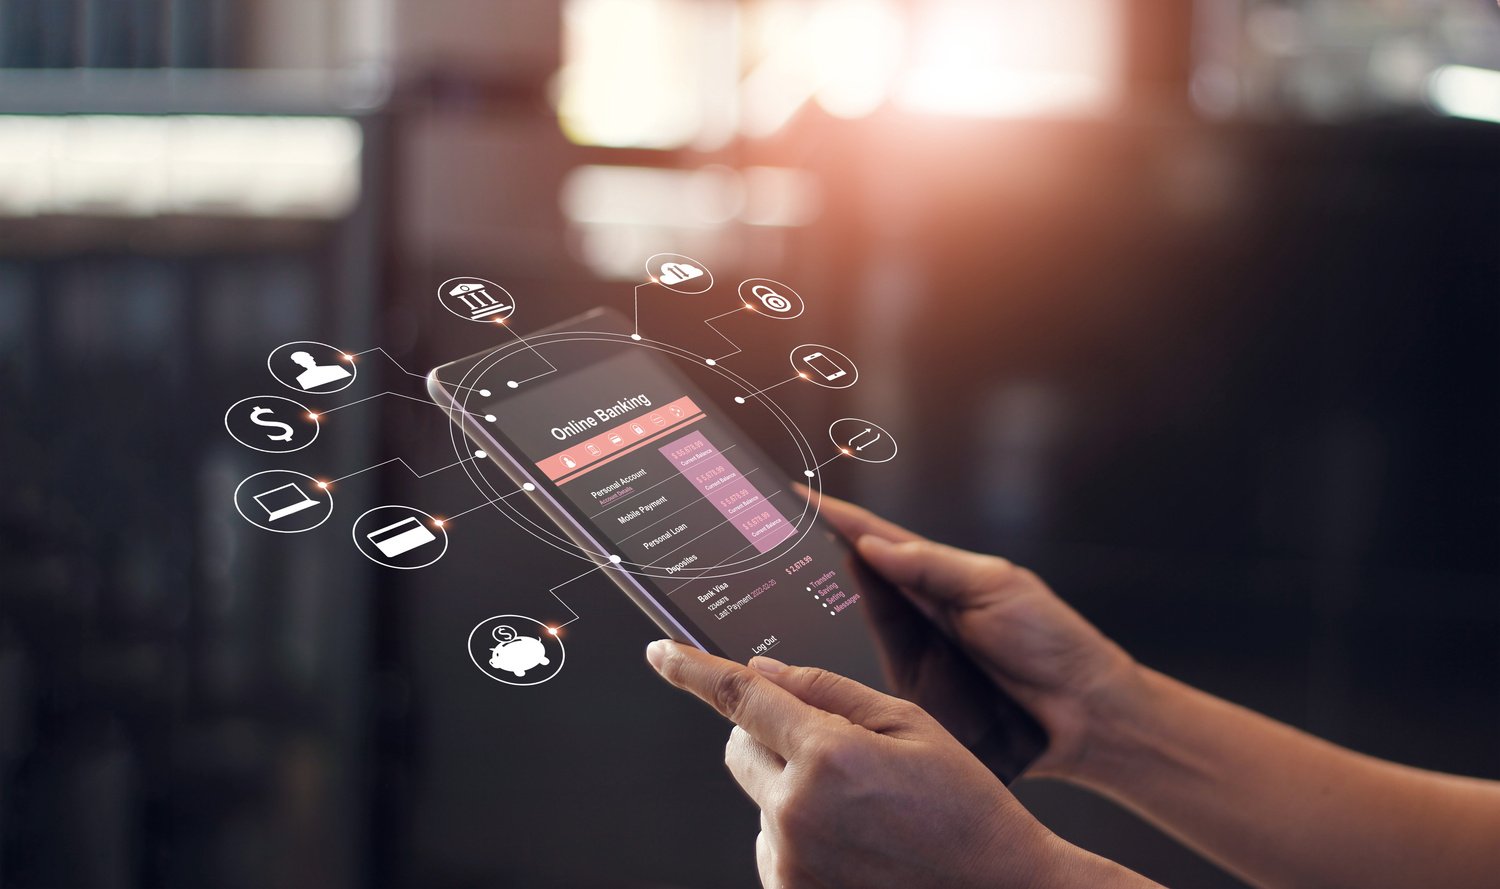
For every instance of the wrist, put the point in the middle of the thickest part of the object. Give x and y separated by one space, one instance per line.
1117 716
1071 867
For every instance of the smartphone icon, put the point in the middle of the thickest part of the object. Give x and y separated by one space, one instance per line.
823 365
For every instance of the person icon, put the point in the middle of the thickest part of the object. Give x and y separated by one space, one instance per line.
316 374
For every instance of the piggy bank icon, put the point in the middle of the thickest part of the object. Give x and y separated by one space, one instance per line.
515 653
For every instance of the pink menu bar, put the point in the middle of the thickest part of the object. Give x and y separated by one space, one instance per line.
731 493
609 444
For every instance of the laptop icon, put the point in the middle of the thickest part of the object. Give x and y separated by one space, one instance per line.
283 501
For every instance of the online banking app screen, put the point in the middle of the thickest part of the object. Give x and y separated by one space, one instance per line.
645 462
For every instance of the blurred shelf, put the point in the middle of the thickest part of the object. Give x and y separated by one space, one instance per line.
191 91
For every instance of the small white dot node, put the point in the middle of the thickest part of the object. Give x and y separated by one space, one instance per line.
710 362
485 393
615 559
489 418
739 399
809 473
636 337
480 455
809 589
528 487
513 384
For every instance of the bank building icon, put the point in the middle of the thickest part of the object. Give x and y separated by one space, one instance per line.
479 302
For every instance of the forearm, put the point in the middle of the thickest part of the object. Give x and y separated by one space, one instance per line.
1074 868
1280 807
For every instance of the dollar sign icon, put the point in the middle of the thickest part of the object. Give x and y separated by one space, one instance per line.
286 434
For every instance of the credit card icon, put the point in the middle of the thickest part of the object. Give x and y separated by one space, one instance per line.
400 538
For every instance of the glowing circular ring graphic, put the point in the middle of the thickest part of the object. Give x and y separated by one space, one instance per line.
306 415
562 649
564 544
853 453
349 365
327 493
673 257
432 523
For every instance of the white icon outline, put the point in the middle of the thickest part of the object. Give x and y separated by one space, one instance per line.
325 492
431 525
813 374
762 304
491 316
350 366
562 650
852 451
653 268
306 414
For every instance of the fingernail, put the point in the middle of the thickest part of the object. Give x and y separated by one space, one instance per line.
802 489
768 665
656 652
869 542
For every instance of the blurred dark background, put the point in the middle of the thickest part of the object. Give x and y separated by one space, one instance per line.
1192 306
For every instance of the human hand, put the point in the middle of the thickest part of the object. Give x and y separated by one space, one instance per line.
1029 643
857 788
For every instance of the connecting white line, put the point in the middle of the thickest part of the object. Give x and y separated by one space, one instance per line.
742 307
403 463
552 369
710 323
323 413
524 488
814 471
403 369
637 334
741 399
614 561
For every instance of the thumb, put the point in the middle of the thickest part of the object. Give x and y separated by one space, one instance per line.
840 695
944 575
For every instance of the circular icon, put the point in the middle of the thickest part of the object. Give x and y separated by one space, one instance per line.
283 501
772 298
516 650
825 366
401 537
271 424
312 367
475 299
679 273
864 441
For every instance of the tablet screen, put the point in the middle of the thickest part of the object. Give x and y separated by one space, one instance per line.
644 465
657 473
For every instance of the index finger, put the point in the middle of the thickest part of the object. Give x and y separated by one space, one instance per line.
771 714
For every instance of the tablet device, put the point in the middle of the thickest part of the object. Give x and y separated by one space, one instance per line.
630 459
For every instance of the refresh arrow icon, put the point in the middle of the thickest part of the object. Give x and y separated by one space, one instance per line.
857 437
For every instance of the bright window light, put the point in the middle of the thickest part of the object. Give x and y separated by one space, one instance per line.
1004 58
648 73
1462 91
134 166
680 73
